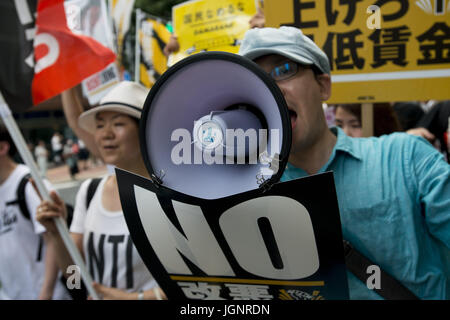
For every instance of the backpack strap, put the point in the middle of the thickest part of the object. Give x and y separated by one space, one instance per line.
390 288
21 201
20 193
91 190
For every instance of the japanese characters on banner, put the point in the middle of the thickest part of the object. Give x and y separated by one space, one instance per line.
98 85
284 244
90 18
210 25
382 50
153 37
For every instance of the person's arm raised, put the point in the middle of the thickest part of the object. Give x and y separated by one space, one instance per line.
73 108
172 46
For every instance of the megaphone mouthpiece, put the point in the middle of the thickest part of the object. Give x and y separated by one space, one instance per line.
222 129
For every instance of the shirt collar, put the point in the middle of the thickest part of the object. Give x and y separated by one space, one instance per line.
345 144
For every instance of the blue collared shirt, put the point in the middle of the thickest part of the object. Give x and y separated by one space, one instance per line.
394 203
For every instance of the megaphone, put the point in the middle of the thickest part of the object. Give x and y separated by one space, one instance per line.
214 125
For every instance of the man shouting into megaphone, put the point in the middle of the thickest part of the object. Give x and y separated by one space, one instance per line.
393 191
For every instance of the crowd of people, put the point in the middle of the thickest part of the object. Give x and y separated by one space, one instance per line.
393 189
388 118
61 151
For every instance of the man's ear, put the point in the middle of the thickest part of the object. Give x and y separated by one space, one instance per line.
324 81
4 148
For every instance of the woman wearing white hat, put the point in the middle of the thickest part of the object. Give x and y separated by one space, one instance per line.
99 229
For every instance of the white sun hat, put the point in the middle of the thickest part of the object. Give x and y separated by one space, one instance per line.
127 97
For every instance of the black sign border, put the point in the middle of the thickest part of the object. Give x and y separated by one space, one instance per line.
314 190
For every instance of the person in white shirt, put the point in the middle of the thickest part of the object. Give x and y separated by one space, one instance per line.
99 229
27 267
41 154
83 155
57 147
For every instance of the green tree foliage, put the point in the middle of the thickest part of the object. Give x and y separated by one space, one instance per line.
159 8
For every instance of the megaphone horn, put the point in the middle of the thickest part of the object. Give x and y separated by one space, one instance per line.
207 121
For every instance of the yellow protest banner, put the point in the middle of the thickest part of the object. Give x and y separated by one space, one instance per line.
153 36
379 50
120 11
211 25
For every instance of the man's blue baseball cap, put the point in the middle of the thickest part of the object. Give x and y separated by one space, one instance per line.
289 42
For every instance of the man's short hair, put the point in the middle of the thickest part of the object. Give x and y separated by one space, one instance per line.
5 137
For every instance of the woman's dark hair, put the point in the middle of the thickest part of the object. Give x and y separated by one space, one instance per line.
409 114
384 117
354 109
4 136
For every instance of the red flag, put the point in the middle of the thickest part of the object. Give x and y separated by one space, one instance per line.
63 59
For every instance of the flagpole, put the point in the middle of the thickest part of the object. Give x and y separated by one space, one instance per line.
19 141
137 47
